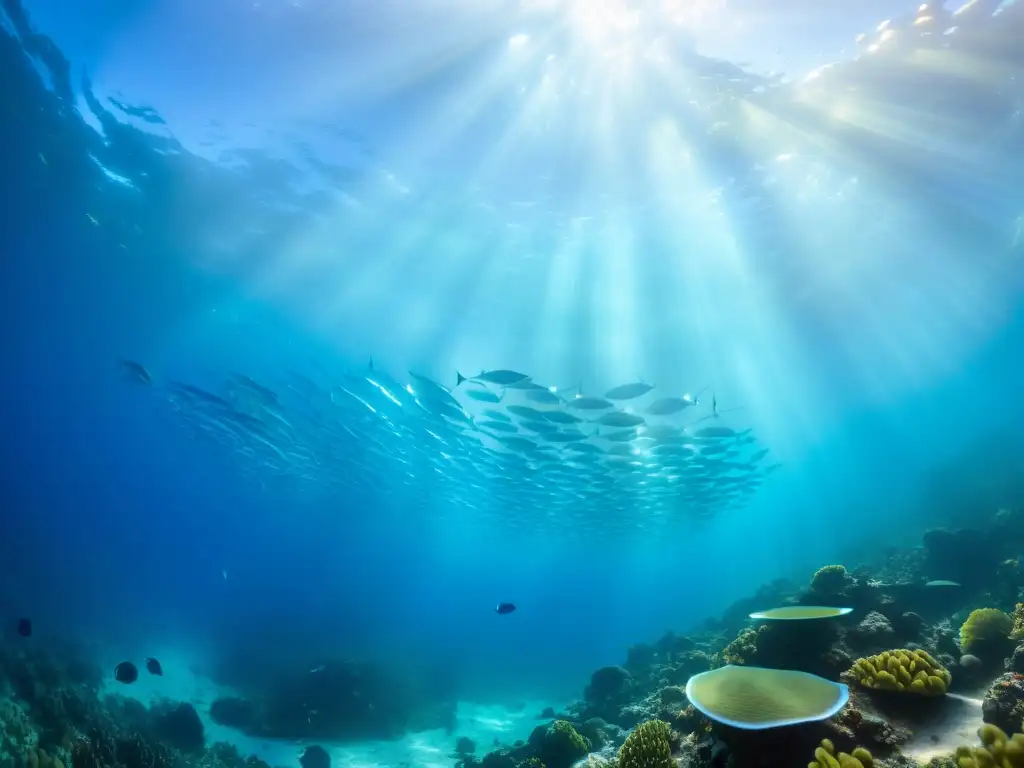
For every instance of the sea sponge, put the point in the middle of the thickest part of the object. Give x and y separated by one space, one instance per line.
997 750
825 757
648 746
902 670
984 624
829 579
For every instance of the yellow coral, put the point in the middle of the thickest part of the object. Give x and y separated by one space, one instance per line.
825 757
39 758
1017 631
648 746
829 579
997 750
902 670
743 649
984 624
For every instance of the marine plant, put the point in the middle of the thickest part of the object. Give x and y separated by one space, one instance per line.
984 624
825 757
648 746
997 750
902 670
829 579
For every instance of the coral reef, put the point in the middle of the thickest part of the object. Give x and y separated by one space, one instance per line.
944 606
648 746
910 671
1003 705
728 693
996 750
825 756
344 700
559 744
984 626
915 634
830 580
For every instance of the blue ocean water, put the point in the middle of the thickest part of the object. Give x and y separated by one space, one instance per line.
318 198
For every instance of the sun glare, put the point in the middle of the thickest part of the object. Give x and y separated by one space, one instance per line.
603 22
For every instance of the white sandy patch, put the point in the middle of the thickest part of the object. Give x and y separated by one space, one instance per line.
957 726
428 749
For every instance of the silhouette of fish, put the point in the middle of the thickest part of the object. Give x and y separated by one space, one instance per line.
503 608
25 627
126 673
153 667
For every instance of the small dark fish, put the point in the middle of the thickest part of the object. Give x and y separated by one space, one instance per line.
25 627
153 667
504 608
126 673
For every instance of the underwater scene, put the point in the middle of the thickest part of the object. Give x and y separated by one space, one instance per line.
512 384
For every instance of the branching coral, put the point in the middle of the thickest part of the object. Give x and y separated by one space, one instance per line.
902 670
648 746
825 757
984 624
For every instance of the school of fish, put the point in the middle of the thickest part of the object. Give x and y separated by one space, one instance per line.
494 443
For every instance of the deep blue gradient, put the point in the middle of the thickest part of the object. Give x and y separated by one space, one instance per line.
122 531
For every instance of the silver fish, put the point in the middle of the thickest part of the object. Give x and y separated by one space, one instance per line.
587 403
561 417
525 412
621 419
490 413
667 406
501 377
497 426
628 391
483 395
